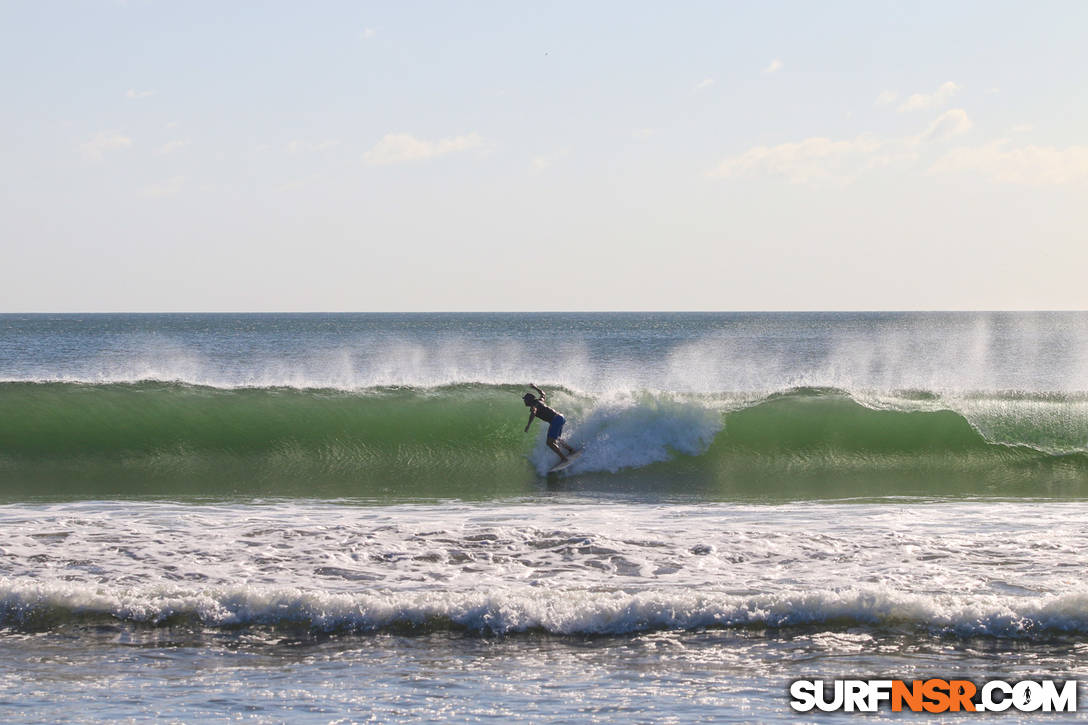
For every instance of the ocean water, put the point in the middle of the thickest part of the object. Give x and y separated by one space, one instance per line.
316 518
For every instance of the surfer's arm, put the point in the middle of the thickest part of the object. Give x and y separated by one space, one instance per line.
542 393
532 414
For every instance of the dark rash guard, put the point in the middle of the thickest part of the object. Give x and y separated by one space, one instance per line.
543 412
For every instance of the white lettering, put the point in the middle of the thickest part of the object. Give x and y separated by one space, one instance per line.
835 702
988 702
993 696
879 691
1063 701
803 693
854 696
1027 696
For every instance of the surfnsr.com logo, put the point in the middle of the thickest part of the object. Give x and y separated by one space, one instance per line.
934 695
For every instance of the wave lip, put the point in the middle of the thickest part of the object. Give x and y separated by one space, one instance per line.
510 611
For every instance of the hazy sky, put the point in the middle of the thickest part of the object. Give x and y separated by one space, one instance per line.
189 156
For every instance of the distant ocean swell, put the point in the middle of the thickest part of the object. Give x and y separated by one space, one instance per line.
158 435
29 606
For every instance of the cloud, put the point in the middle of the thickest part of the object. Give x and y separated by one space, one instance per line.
1029 165
164 189
172 147
774 67
397 148
815 159
886 98
97 147
924 101
821 160
703 84
135 95
369 33
641 134
948 124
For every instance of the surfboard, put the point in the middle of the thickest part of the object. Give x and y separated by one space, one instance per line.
563 464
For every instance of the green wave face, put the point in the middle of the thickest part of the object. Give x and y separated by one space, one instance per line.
809 420
824 444
466 442
160 439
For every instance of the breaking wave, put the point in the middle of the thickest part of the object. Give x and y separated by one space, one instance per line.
171 438
32 606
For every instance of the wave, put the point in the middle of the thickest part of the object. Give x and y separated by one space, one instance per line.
467 440
504 611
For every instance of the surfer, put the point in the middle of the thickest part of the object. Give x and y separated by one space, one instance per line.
554 419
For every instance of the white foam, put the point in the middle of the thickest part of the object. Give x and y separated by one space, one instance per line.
565 567
618 432
519 609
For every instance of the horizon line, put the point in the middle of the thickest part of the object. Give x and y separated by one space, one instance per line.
543 312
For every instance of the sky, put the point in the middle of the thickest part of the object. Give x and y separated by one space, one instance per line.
437 156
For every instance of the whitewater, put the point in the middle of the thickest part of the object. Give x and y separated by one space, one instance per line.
321 517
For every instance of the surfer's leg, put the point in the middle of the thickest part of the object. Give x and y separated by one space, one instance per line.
566 445
552 443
